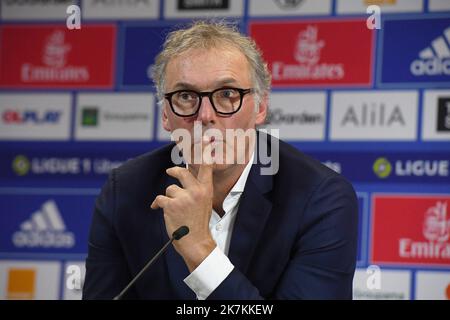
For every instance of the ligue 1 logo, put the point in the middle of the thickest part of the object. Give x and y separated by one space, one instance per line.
382 168
21 165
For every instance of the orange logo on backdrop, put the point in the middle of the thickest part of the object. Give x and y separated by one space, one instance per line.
447 292
21 284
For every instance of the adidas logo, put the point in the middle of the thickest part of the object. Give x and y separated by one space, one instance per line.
44 229
435 59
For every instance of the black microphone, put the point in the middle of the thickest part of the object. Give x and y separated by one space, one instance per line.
176 235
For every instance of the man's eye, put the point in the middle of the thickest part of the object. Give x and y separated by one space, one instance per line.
186 96
228 93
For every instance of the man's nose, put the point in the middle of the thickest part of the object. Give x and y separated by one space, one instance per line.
206 113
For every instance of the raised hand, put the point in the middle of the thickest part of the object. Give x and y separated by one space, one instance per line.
190 205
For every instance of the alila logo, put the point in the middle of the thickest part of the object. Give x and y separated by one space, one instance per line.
435 59
44 229
436 231
55 68
307 53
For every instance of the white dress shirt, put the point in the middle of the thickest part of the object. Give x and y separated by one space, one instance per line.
216 267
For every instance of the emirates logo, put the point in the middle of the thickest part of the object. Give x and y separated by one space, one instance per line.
56 50
55 65
308 46
307 54
436 226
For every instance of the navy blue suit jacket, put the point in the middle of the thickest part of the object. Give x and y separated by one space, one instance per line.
294 237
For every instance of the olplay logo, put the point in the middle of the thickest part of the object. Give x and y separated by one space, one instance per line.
45 228
17 117
436 115
34 116
415 61
316 52
289 7
369 115
52 56
419 230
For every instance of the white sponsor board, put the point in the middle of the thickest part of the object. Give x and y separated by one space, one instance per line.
35 116
203 8
381 284
115 116
374 115
29 280
360 6
289 7
74 275
35 9
436 115
120 9
439 5
298 116
432 285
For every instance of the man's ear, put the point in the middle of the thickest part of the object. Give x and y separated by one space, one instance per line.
165 119
261 112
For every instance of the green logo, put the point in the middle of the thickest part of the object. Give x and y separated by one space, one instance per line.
21 165
89 117
382 168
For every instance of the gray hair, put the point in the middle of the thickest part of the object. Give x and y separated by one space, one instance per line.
206 35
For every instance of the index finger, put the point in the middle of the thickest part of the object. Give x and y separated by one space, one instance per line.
206 167
183 175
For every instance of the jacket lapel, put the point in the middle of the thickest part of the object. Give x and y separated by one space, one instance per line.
254 209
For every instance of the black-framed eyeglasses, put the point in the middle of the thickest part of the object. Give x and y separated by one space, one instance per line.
225 101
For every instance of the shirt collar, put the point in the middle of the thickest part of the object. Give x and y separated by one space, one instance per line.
240 184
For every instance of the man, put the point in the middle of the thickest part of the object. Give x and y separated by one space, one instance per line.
287 235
